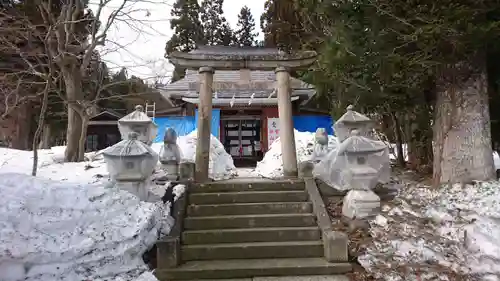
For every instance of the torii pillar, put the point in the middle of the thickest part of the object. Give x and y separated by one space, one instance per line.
202 157
207 59
287 136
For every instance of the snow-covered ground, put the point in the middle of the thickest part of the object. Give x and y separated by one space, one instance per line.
68 224
271 165
451 233
51 166
52 230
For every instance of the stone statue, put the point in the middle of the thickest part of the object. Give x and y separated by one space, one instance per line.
170 155
320 149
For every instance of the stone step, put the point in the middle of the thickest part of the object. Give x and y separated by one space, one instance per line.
226 269
247 197
253 250
249 209
255 185
242 235
249 221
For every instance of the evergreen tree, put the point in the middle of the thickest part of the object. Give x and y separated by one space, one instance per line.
409 53
245 35
215 26
282 25
188 30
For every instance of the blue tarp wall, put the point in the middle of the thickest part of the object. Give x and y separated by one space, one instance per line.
310 123
184 125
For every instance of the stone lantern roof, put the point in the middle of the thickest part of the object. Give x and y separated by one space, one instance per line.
136 116
360 144
352 116
129 147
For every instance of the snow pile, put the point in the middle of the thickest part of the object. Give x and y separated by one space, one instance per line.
272 166
446 234
59 231
221 165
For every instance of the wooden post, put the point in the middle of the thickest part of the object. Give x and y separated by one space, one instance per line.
287 136
206 75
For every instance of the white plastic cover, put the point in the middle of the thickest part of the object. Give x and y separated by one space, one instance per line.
356 154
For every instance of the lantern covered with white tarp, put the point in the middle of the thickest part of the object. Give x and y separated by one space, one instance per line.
138 122
358 163
130 160
352 120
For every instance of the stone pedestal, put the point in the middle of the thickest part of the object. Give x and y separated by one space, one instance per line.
306 169
204 119
186 171
361 204
171 169
287 136
139 189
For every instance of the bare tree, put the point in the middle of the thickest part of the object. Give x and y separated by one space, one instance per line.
72 46
28 74
23 63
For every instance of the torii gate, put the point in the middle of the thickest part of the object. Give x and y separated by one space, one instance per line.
208 59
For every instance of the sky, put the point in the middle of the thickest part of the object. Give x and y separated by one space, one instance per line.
136 40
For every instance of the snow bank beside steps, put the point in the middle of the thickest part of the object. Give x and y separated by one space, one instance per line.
66 232
221 165
271 165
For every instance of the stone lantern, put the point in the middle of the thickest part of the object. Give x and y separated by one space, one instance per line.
140 123
130 164
170 155
365 162
352 120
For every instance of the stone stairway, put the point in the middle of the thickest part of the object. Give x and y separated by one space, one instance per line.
243 230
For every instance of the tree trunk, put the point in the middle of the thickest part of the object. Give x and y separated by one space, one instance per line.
73 86
73 133
420 139
462 134
399 140
38 132
83 137
45 142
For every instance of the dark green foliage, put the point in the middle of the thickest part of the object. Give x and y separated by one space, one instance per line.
188 30
215 26
384 52
283 25
245 32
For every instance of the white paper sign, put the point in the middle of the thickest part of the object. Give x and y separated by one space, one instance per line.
273 130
